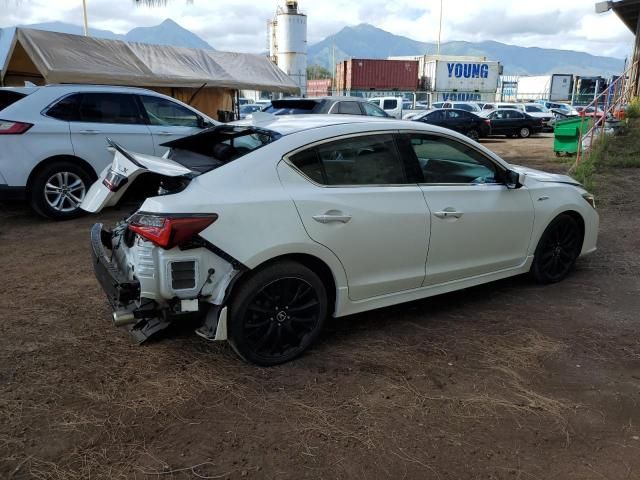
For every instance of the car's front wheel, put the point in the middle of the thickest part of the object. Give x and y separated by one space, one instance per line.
524 132
58 189
557 250
277 313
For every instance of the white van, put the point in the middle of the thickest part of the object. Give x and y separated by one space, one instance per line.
391 105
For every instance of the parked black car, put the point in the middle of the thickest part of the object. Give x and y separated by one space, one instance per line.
337 105
512 122
462 121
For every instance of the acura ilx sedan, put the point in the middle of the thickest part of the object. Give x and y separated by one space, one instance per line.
264 228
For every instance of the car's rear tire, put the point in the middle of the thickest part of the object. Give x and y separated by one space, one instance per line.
473 135
557 250
277 313
524 132
57 190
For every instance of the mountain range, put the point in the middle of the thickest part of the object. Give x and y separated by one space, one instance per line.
367 41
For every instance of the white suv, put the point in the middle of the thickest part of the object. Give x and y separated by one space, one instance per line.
53 139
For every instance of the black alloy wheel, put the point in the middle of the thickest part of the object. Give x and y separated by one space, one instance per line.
277 313
558 249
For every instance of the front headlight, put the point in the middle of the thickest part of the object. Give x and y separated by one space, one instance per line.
590 199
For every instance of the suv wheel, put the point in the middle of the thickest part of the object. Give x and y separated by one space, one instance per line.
58 190
277 313
524 132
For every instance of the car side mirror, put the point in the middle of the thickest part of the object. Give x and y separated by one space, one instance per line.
514 179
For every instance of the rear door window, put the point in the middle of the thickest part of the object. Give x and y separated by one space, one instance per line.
362 160
161 111
110 108
67 108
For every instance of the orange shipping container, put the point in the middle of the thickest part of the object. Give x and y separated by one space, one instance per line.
367 74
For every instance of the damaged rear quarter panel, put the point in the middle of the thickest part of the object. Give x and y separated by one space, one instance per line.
248 197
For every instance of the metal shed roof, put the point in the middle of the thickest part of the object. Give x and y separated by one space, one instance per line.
65 58
627 10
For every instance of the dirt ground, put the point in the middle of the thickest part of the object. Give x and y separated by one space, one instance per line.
509 380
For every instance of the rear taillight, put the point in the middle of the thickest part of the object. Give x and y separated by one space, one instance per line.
167 231
7 127
487 121
114 181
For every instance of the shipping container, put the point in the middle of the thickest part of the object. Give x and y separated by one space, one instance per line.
557 87
366 74
460 76
319 88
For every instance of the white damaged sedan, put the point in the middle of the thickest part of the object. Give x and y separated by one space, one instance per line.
264 228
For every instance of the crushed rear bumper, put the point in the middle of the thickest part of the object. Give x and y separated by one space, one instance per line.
121 292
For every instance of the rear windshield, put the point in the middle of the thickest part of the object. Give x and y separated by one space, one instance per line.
216 146
7 97
292 107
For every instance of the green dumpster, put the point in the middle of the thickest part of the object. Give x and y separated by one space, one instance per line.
567 134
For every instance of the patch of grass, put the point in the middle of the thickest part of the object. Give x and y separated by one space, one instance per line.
633 109
621 151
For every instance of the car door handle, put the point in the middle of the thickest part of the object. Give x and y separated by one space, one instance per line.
164 133
89 132
332 216
448 213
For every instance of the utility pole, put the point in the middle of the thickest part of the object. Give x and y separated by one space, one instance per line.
86 22
333 70
440 28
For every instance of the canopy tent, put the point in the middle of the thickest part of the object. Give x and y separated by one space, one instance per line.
64 58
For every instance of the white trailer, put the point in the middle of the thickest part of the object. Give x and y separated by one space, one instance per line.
556 87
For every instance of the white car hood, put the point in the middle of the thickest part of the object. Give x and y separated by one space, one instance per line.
541 176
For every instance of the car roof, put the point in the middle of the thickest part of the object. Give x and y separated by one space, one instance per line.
333 98
83 87
23 90
287 124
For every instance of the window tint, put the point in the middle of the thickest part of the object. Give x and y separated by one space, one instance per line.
390 104
443 160
452 114
435 116
309 164
366 160
514 115
532 108
165 112
375 101
109 108
348 108
7 97
67 109
373 110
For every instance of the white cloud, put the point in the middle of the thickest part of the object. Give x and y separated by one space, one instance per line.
241 25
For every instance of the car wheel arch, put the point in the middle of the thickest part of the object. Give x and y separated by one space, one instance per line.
314 263
573 214
60 158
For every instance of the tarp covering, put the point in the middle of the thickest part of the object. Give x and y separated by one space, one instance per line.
65 58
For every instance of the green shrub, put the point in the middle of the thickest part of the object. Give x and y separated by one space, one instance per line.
633 109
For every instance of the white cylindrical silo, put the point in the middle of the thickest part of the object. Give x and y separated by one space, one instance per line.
291 43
